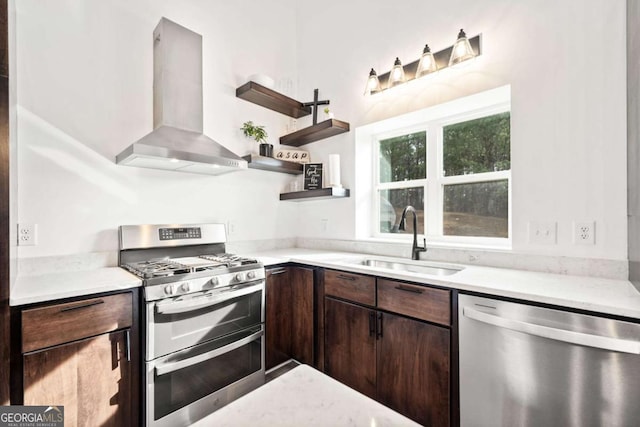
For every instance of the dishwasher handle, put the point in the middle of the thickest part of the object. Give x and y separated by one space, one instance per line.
579 338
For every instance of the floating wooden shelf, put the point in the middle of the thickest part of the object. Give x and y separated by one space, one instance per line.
320 194
265 97
322 130
273 165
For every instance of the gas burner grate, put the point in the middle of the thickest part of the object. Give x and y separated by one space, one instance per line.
169 267
156 268
231 260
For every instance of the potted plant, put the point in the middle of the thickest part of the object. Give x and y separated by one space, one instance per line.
259 134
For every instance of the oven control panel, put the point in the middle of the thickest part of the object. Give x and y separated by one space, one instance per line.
180 233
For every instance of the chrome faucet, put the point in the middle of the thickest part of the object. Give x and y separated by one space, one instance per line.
415 249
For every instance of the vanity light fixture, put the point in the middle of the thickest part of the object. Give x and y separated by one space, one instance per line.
429 62
397 74
373 83
462 50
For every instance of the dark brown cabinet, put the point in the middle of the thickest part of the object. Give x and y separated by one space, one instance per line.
413 369
290 314
278 317
91 378
83 355
401 361
302 327
350 345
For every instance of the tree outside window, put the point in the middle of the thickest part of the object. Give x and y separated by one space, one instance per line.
472 181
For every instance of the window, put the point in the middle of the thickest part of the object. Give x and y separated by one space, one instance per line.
455 170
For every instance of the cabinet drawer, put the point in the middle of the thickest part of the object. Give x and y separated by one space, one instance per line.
421 302
350 286
61 323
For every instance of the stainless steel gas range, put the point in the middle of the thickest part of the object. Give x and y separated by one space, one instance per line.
204 316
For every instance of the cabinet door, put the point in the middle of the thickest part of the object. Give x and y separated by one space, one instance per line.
350 345
278 317
302 297
413 369
91 378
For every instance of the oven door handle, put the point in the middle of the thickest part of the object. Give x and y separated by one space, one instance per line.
167 368
171 307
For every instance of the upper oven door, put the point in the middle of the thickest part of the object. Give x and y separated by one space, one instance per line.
178 323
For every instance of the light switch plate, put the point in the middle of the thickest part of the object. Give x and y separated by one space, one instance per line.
543 232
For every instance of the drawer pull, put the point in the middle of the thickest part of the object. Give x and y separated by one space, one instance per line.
408 289
280 271
78 307
127 343
343 277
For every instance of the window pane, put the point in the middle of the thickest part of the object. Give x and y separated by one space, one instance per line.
403 157
481 145
478 209
393 202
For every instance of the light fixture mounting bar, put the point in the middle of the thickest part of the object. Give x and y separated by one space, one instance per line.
441 57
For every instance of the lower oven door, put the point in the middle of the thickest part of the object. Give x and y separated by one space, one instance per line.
188 385
181 322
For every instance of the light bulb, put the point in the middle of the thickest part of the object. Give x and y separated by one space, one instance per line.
373 83
461 50
427 63
396 76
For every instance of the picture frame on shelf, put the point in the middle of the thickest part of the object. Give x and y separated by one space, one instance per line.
312 176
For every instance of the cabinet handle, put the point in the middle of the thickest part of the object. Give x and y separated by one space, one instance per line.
343 277
409 289
279 271
127 344
372 324
379 326
78 307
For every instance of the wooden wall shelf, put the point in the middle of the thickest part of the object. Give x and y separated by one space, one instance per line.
320 194
268 98
273 165
322 130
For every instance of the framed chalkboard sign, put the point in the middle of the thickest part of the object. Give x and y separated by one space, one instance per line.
312 176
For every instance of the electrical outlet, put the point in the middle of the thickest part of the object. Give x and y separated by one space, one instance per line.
542 232
324 225
27 234
584 233
231 228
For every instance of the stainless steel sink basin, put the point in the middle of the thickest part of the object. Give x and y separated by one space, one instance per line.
433 270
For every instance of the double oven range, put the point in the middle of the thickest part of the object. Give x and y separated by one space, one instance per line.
204 316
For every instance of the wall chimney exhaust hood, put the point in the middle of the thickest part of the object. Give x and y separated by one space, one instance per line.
177 142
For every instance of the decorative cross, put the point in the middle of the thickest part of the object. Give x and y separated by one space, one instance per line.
315 104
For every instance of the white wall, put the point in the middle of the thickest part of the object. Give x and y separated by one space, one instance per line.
565 62
84 72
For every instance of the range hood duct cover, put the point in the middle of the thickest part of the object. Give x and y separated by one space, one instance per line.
177 141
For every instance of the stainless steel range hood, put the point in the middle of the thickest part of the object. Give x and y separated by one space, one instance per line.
177 142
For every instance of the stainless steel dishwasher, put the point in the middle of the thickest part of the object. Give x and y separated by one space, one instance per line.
528 366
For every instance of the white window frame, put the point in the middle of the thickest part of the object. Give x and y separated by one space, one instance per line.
435 180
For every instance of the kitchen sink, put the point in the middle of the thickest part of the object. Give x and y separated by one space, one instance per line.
422 268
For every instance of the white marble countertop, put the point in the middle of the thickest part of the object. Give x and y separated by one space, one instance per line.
53 286
304 397
616 297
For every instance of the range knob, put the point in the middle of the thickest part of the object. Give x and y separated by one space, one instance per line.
251 275
239 277
185 287
214 281
170 289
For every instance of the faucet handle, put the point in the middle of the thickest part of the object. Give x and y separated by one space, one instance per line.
423 248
